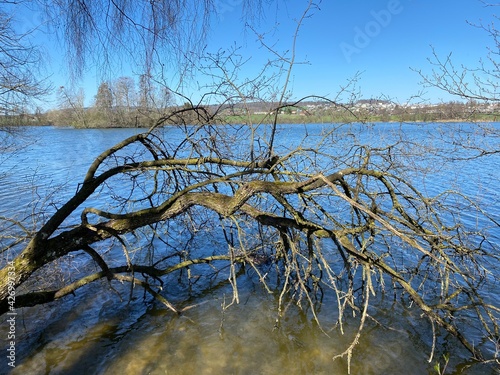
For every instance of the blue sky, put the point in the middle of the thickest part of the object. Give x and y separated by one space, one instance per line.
382 40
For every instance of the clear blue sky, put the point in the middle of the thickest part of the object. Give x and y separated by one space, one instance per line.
381 39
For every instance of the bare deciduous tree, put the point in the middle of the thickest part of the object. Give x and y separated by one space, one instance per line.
71 107
124 93
338 214
384 231
478 83
19 66
141 30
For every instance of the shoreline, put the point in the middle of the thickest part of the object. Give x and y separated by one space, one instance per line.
284 120
375 122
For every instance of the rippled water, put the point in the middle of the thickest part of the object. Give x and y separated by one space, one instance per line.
100 331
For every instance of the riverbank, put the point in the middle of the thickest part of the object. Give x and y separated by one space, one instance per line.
270 118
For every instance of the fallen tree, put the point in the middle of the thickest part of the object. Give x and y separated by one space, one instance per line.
333 212
387 236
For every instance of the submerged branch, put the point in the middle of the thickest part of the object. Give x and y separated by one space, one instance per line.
295 207
114 273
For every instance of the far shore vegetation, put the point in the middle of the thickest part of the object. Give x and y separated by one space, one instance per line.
119 104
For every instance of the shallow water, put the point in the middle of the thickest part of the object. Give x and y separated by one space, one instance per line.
207 339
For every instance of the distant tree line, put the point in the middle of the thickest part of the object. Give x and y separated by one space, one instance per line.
117 103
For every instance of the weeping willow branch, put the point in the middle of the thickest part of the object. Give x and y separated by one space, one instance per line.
114 273
297 208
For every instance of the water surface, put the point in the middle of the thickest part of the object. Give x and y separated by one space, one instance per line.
106 331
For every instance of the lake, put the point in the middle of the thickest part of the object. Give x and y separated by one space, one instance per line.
99 331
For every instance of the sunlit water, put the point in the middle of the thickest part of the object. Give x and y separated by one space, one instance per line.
106 332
